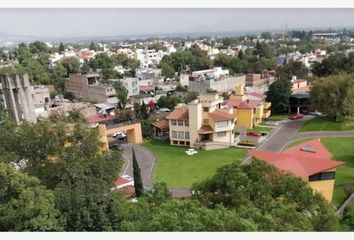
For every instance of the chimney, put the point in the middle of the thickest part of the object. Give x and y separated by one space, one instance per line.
247 100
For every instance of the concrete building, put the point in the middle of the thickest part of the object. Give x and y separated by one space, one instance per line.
17 95
249 109
310 161
203 123
41 100
131 84
90 87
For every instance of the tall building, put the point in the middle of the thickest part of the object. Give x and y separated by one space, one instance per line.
17 97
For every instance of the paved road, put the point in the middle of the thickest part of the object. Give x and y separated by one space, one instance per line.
283 134
146 161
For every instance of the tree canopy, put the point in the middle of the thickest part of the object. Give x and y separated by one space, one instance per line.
278 94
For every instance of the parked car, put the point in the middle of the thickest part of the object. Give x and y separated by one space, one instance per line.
316 113
296 116
254 134
117 146
120 135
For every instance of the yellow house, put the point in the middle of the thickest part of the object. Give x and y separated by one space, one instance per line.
204 123
249 109
310 161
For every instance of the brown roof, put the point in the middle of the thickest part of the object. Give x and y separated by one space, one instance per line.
99 118
235 103
162 124
205 129
257 95
178 114
218 115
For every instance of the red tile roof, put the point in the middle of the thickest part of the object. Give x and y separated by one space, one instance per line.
178 114
128 191
299 162
99 118
205 129
121 181
219 115
162 124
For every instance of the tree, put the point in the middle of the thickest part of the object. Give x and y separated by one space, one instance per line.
167 70
266 35
23 52
138 182
37 73
168 101
38 47
278 94
58 77
92 46
71 64
25 204
291 69
273 200
190 97
334 95
121 92
61 48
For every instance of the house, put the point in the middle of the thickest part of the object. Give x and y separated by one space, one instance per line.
215 79
202 123
90 87
160 129
299 85
310 161
249 109
131 84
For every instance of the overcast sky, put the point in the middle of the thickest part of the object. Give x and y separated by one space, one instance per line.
108 22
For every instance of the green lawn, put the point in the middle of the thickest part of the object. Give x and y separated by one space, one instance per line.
278 117
262 129
324 124
342 150
178 169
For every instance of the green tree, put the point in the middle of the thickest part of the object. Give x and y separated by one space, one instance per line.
121 92
334 95
278 94
58 77
71 64
273 200
61 48
167 70
37 73
92 46
190 97
38 47
293 68
168 101
23 52
138 182
266 35
25 204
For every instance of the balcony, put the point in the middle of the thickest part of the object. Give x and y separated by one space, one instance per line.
266 113
267 105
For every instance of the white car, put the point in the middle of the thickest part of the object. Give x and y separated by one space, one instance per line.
120 134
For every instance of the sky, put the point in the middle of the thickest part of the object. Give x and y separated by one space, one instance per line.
120 22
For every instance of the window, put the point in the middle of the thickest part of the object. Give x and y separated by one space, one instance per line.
221 134
222 124
186 123
174 134
180 122
180 134
322 176
186 135
205 109
173 122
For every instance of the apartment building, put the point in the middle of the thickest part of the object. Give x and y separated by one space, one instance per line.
249 109
204 123
90 87
215 79
131 84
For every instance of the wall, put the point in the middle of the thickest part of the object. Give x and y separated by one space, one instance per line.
245 118
195 120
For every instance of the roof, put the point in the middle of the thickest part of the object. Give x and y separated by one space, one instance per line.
299 81
218 115
162 124
261 96
121 181
106 106
144 88
205 129
178 114
302 160
235 103
99 118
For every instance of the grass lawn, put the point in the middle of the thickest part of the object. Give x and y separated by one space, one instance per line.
278 117
342 150
262 129
177 169
324 124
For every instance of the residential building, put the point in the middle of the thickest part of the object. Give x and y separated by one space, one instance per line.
249 109
204 123
90 87
41 100
17 97
310 161
215 79
160 129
